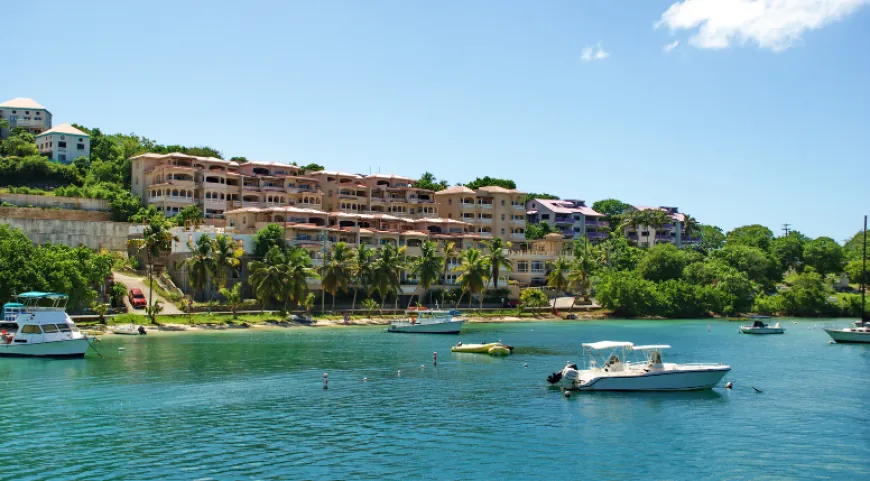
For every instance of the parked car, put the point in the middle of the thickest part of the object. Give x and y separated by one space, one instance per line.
137 299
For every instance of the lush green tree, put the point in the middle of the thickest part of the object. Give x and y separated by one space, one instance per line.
557 277
449 251
677 298
428 267
363 271
156 240
312 167
754 235
618 253
855 270
337 270
473 271
270 236
808 296
539 230
388 268
824 255
752 261
498 259
491 181
200 263
189 213
788 251
240 160
627 294
428 181
227 258
691 228
370 306
22 145
853 249
711 237
585 263
532 196
233 297
297 269
663 262
533 298
267 277
124 206
613 209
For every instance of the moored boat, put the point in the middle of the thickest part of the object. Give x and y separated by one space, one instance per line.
491 348
428 322
38 326
759 327
648 373
859 333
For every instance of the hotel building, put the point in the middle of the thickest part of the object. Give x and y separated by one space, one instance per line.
24 113
491 211
571 217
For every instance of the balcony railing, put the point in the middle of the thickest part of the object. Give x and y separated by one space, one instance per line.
485 220
485 206
518 207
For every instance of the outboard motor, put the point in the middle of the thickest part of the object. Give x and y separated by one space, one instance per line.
569 370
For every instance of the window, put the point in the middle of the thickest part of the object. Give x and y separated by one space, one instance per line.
502 232
61 145
523 266
61 157
31 329
80 146
545 216
502 217
61 327
502 203
449 201
577 217
62 137
577 229
49 328
537 266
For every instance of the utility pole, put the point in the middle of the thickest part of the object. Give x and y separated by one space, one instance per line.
785 227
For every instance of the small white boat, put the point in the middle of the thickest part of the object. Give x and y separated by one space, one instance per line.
648 373
859 333
759 327
38 326
428 322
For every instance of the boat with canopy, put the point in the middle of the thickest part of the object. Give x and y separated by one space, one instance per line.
37 325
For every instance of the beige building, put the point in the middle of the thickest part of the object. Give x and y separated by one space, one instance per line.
24 113
492 211
375 194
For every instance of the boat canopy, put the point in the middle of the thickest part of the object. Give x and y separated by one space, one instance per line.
651 347
601 345
41 295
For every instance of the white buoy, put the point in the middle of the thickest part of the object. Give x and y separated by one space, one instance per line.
422 366
567 393
365 379
121 349
399 373
325 381
729 385
434 358
526 365
708 327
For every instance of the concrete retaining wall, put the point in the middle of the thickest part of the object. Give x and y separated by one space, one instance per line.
76 203
73 228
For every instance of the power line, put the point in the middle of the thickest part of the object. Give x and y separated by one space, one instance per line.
785 227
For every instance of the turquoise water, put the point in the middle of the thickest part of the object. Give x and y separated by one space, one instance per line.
250 405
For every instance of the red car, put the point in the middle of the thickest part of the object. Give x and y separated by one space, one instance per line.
137 299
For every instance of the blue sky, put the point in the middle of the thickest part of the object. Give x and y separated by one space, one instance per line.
759 113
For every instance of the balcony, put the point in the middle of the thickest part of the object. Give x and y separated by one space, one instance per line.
597 235
27 124
517 237
485 220
272 188
518 221
467 206
518 207
485 206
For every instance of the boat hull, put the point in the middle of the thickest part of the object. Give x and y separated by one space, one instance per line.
683 380
843 336
451 327
762 330
66 348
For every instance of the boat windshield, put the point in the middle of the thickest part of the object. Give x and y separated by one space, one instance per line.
758 324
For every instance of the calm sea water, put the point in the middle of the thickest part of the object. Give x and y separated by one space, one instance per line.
250 405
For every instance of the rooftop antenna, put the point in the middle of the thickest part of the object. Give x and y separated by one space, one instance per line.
785 227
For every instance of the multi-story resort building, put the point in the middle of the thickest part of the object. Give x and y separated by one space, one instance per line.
24 113
318 209
571 217
491 211
64 143
670 232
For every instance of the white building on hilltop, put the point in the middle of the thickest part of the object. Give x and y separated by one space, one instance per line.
24 113
64 144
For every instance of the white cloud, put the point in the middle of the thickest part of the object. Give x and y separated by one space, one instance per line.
594 53
667 48
772 24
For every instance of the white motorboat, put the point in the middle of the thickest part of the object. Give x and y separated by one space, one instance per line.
647 373
38 326
428 322
759 327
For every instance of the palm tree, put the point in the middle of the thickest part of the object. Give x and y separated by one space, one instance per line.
449 250
297 269
233 297
199 264
656 220
427 267
691 228
578 273
498 259
156 239
227 257
474 270
336 273
388 271
369 305
267 277
363 271
557 278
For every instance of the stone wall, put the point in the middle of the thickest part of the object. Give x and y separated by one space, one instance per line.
70 227
76 203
